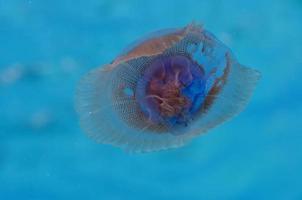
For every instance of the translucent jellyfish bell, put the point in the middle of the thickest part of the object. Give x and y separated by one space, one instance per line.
163 91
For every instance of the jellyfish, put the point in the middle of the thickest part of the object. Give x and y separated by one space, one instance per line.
164 90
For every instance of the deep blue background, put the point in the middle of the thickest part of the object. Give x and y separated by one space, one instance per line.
47 45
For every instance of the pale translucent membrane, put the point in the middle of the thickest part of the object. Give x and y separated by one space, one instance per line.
180 32
112 117
156 34
156 43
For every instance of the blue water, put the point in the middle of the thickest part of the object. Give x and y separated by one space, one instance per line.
46 46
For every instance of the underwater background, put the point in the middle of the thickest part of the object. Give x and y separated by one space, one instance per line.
47 45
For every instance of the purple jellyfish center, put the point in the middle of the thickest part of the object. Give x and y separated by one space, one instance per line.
171 90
